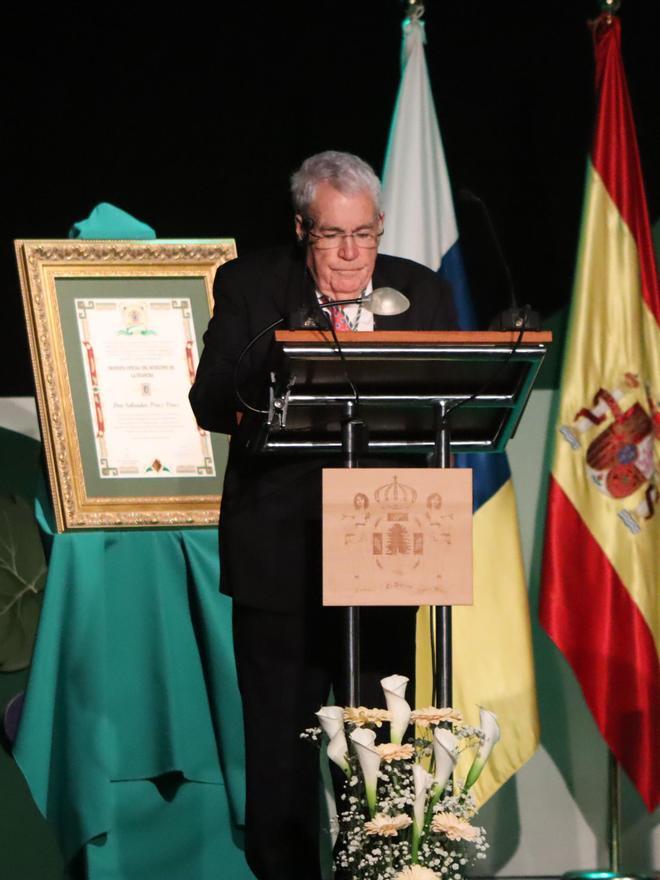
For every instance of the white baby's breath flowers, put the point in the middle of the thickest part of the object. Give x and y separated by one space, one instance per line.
311 733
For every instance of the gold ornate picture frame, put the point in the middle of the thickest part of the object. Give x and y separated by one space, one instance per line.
115 331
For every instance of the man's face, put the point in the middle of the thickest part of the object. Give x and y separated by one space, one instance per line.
342 271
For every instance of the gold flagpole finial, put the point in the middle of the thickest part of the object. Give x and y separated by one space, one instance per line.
414 9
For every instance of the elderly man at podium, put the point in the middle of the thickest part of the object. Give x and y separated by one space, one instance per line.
286 643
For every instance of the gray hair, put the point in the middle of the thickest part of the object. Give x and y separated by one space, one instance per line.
345 172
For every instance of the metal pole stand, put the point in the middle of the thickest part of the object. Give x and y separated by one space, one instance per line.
353 441
613 834
441 615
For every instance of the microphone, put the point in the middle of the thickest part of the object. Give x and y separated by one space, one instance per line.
382 301
515 317
388 301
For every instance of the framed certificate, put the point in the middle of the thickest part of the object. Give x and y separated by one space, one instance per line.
115 331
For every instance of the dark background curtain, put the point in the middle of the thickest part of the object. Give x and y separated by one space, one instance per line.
193 120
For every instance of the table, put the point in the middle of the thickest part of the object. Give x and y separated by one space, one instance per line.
131 737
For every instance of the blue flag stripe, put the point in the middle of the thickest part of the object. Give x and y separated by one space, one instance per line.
490 472
453 270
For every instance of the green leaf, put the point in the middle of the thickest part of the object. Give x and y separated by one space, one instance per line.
22 579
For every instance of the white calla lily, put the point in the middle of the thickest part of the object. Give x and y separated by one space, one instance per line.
491 730
331 719
422 780
445 753
394 688
369 761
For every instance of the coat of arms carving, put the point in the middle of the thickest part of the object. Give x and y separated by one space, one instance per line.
397 537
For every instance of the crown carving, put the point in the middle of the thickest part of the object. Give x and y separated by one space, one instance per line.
395 495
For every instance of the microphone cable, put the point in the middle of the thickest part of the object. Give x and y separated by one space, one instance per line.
489 382
241 357
340 350
246 349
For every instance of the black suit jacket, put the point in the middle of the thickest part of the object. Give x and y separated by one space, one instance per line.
270 517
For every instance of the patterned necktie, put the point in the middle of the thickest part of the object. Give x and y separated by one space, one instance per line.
337 315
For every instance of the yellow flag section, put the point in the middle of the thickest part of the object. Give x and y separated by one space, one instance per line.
604 468
492 645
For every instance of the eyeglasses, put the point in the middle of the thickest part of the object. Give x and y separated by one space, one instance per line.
363 238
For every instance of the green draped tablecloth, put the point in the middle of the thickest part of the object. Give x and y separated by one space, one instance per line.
131 738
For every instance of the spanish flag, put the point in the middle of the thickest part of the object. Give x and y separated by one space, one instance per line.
599 600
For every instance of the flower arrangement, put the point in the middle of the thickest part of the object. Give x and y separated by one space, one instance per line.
399 820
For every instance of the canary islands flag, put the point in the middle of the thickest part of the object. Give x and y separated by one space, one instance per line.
599 601
492 647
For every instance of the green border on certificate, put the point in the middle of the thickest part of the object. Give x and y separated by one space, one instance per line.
69 291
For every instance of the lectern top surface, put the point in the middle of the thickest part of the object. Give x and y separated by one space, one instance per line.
430 337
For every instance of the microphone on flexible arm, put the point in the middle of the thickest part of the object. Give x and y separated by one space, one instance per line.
515 317
382 301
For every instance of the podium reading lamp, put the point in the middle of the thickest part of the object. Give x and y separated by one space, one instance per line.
425 393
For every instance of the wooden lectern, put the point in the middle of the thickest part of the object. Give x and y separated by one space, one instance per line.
425 393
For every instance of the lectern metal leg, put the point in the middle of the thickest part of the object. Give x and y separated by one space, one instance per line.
352 655
443 654
442 614
442 451
352 437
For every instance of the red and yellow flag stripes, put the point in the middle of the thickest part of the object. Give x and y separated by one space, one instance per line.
599 600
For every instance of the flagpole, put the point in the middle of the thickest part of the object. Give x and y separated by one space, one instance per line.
614 871
610 7
614 814
414 7
441 616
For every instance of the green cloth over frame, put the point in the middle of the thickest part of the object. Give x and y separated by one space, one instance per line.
107 221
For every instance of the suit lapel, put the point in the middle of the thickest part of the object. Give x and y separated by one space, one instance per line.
294 288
